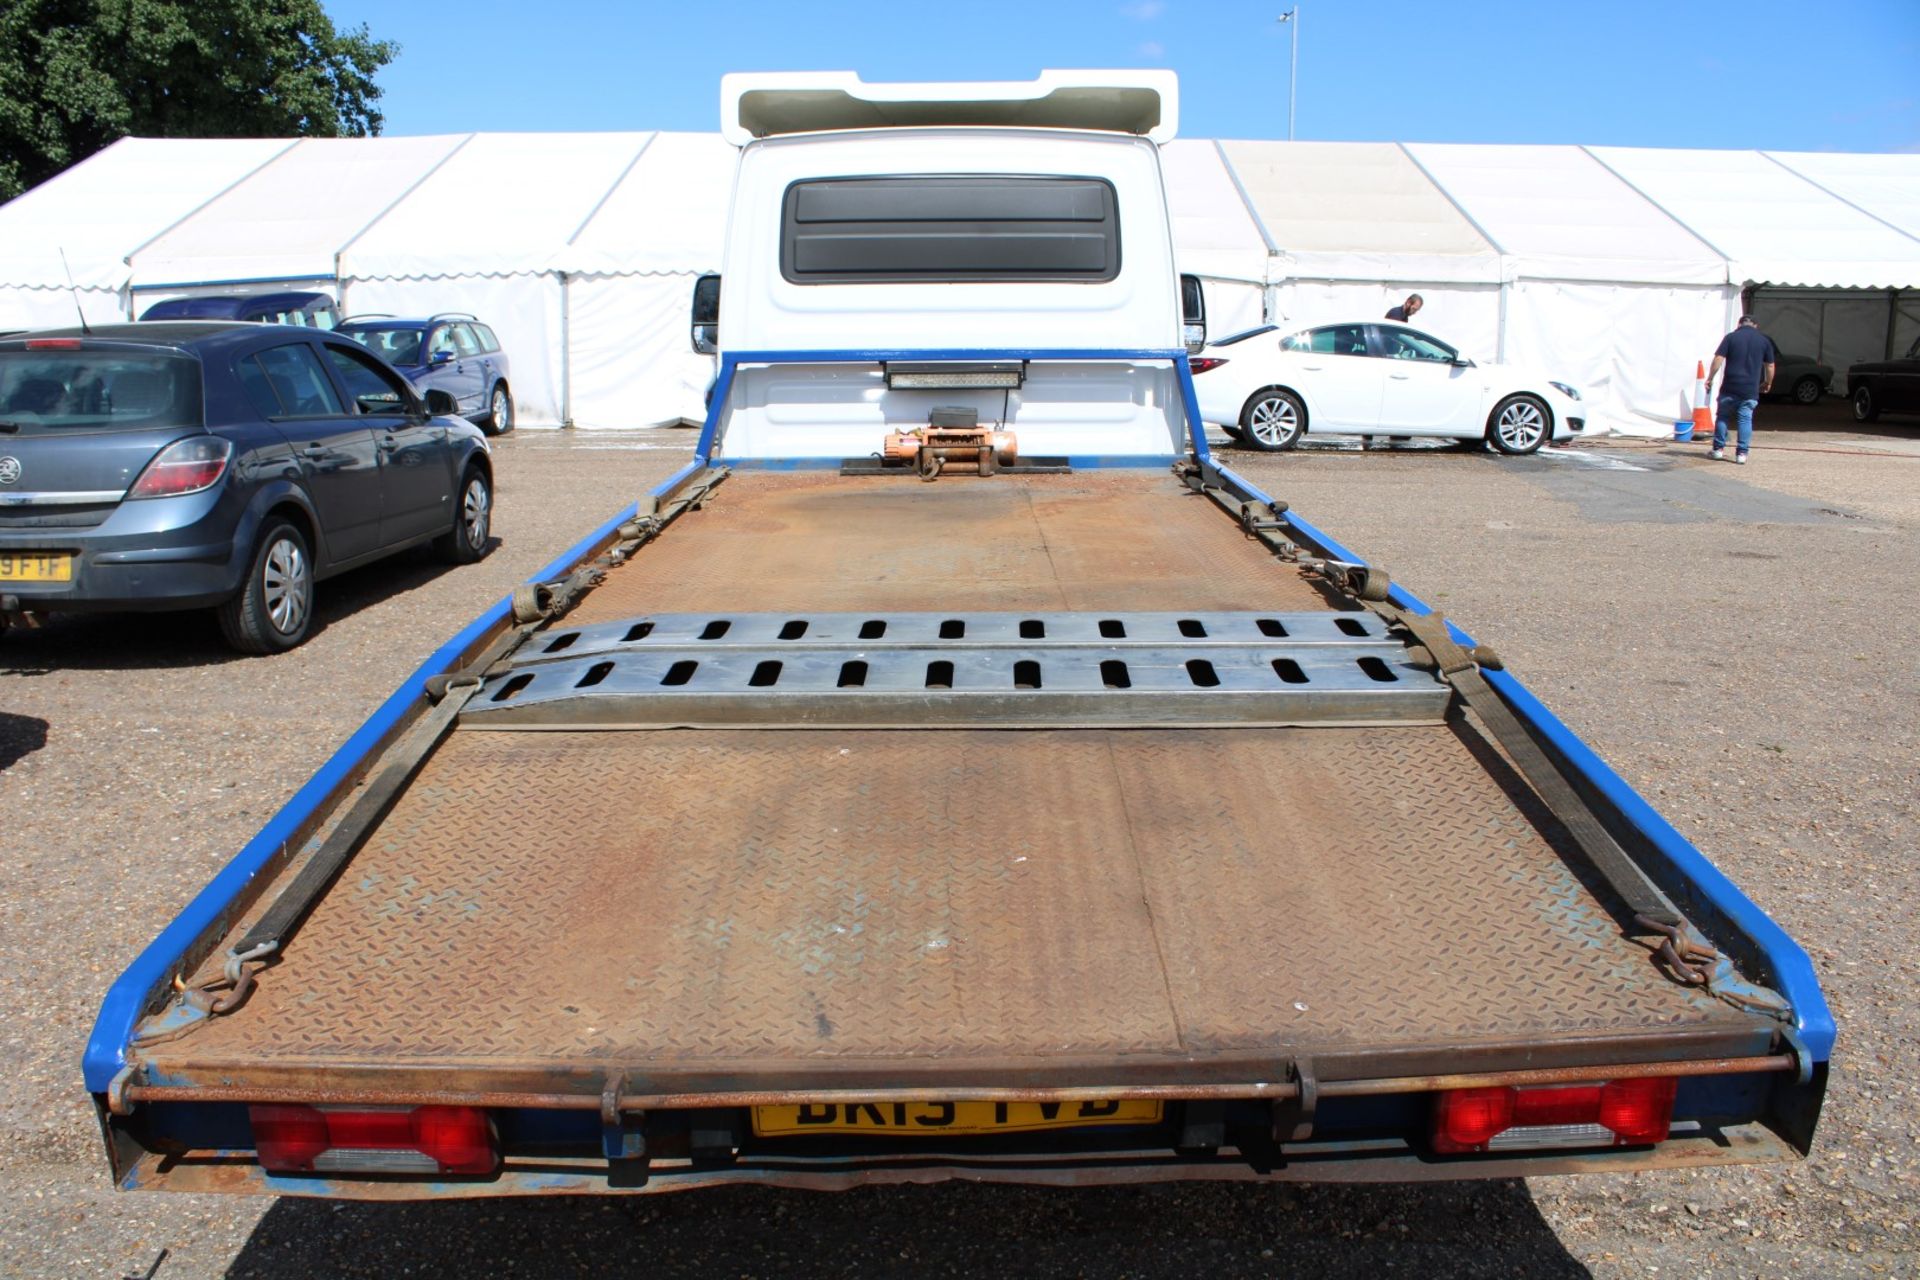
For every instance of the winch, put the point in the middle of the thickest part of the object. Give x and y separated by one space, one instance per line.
953 434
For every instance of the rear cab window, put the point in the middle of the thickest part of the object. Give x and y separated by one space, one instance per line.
61 391
942 229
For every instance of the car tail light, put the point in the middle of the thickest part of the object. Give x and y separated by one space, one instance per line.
1205 363
53 344
1616 1113
305 1139
185 466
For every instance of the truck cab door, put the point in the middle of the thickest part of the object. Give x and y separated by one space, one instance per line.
416 480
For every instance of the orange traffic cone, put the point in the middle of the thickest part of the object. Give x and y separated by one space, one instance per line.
1702 415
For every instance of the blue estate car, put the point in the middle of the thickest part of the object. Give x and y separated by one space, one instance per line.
223 465
450 352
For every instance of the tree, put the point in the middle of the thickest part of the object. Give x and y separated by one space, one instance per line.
77 74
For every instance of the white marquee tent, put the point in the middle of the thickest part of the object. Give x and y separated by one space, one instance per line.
1618 267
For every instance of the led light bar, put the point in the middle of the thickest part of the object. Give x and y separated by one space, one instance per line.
940 375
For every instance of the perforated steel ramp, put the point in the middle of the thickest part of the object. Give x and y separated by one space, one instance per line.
979 669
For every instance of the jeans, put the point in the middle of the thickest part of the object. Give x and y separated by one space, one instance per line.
1742 412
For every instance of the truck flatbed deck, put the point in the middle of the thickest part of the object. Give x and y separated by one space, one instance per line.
736 908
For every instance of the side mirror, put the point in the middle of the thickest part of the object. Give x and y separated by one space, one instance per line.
440 404
441 357
1193 313
1461 362
706 314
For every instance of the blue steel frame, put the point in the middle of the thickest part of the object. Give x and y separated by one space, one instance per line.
127 1000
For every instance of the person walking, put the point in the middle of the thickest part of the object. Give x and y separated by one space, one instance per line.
1749 358
1407 310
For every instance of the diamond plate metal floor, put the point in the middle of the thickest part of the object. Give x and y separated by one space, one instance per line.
749 898
816 541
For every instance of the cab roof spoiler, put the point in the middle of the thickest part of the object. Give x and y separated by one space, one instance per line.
753 105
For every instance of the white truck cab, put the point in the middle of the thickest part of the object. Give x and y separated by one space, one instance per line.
993 247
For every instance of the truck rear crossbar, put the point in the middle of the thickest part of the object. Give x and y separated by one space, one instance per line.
996 669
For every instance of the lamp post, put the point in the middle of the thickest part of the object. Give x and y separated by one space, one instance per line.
1292 18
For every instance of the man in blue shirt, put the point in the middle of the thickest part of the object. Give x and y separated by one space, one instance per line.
1749 357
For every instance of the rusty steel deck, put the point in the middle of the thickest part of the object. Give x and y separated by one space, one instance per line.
821 542
726 908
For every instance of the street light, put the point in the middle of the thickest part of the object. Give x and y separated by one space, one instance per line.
1292 18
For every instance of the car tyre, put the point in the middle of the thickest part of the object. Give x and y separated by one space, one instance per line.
1808 390
1272 420
1519 425
466 542
273 610
1864 407
499 410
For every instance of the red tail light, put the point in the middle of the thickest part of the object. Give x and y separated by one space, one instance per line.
1204 363
185 466
303 1139
53 344
1617 1113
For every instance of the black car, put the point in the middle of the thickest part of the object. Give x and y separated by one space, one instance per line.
1891 386
182 465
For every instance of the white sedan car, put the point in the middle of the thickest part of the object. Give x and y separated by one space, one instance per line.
1267 387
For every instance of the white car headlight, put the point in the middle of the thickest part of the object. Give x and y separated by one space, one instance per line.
1565 390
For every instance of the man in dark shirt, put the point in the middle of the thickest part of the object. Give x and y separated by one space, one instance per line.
1408 309
1749 357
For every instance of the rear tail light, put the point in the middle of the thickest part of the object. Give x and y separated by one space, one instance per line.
304 1139
185 466
1616 1113
1205 363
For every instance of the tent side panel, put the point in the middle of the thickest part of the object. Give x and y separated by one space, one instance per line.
633 360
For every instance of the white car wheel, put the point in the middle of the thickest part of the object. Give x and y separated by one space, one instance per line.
1520 425
1273 420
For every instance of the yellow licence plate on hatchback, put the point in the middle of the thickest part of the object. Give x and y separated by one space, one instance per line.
919 1119
35 566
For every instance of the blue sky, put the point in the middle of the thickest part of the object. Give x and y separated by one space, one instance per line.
1844 76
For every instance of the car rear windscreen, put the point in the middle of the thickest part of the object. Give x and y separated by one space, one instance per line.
58 391
940 229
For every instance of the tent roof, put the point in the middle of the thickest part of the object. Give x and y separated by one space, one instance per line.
1359 211
1213 234
1559 214
1772 225
105 207
1886 186
498 206
668 213
287 220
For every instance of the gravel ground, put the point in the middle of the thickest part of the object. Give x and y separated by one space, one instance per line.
1711 631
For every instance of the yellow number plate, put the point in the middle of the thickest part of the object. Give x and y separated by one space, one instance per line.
915 1119
35 566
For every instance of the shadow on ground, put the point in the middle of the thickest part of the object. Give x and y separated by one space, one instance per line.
20 736
1429 1231
150 641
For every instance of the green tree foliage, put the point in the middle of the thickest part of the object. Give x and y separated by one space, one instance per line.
77 74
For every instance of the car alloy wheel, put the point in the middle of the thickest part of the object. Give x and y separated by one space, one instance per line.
1272 421
1807 390
286 586
500 411
1520 425
1864 409
476 510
